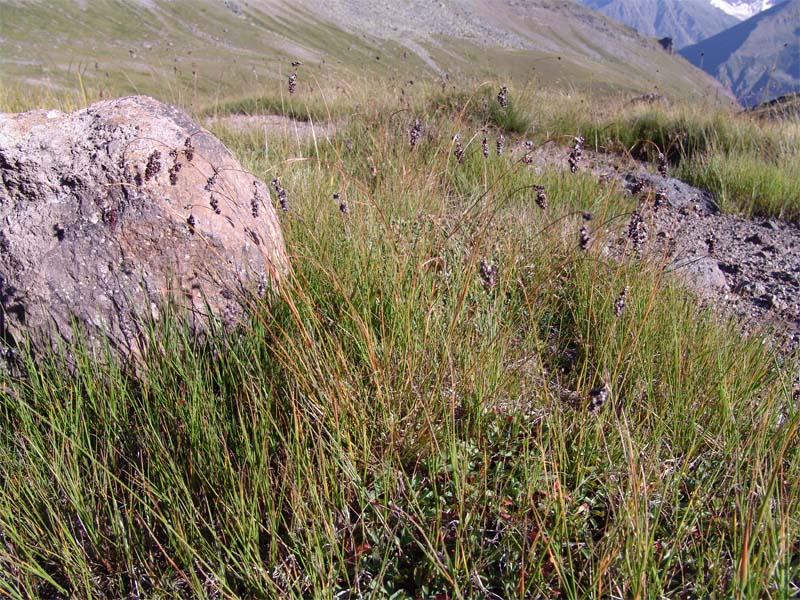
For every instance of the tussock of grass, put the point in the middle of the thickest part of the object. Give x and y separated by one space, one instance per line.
510 118
396 425
752 167
682 134
482 108
745 182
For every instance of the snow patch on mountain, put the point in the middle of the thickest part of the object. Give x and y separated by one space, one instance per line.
743 9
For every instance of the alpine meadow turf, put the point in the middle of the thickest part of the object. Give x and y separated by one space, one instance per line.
455 394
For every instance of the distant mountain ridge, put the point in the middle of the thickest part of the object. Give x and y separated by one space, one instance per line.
743 9
685 21
757 59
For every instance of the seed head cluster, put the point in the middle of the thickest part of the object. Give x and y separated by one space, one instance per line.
663 165
485 147
343 206
416 132
292 82
584 238
501 144
528 157
188 149
255 201
502 97
215 204
212 180
541 196
598 396
153 165
281 193
576 153
619 303
637 233
458 150
488 273
636 186
176 166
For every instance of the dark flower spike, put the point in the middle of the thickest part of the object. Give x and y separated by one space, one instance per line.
188 149
541 196
585 238
663 166
212 180
488 273
637 233
619 303
576 154
281 193
528 158
598 396
502 97
292 82
458 150
501 144
153 165
416 132
215 203
176 166
255 201
343 206
485 147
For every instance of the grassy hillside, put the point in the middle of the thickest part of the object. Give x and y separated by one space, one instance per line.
179 51
192 52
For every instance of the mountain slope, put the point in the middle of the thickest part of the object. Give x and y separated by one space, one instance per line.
758 59
214 48
685 21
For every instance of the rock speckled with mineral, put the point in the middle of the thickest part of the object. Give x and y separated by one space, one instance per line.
107 212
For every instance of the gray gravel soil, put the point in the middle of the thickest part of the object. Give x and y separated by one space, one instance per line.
749 268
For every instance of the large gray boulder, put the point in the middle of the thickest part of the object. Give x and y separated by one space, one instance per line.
107 212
